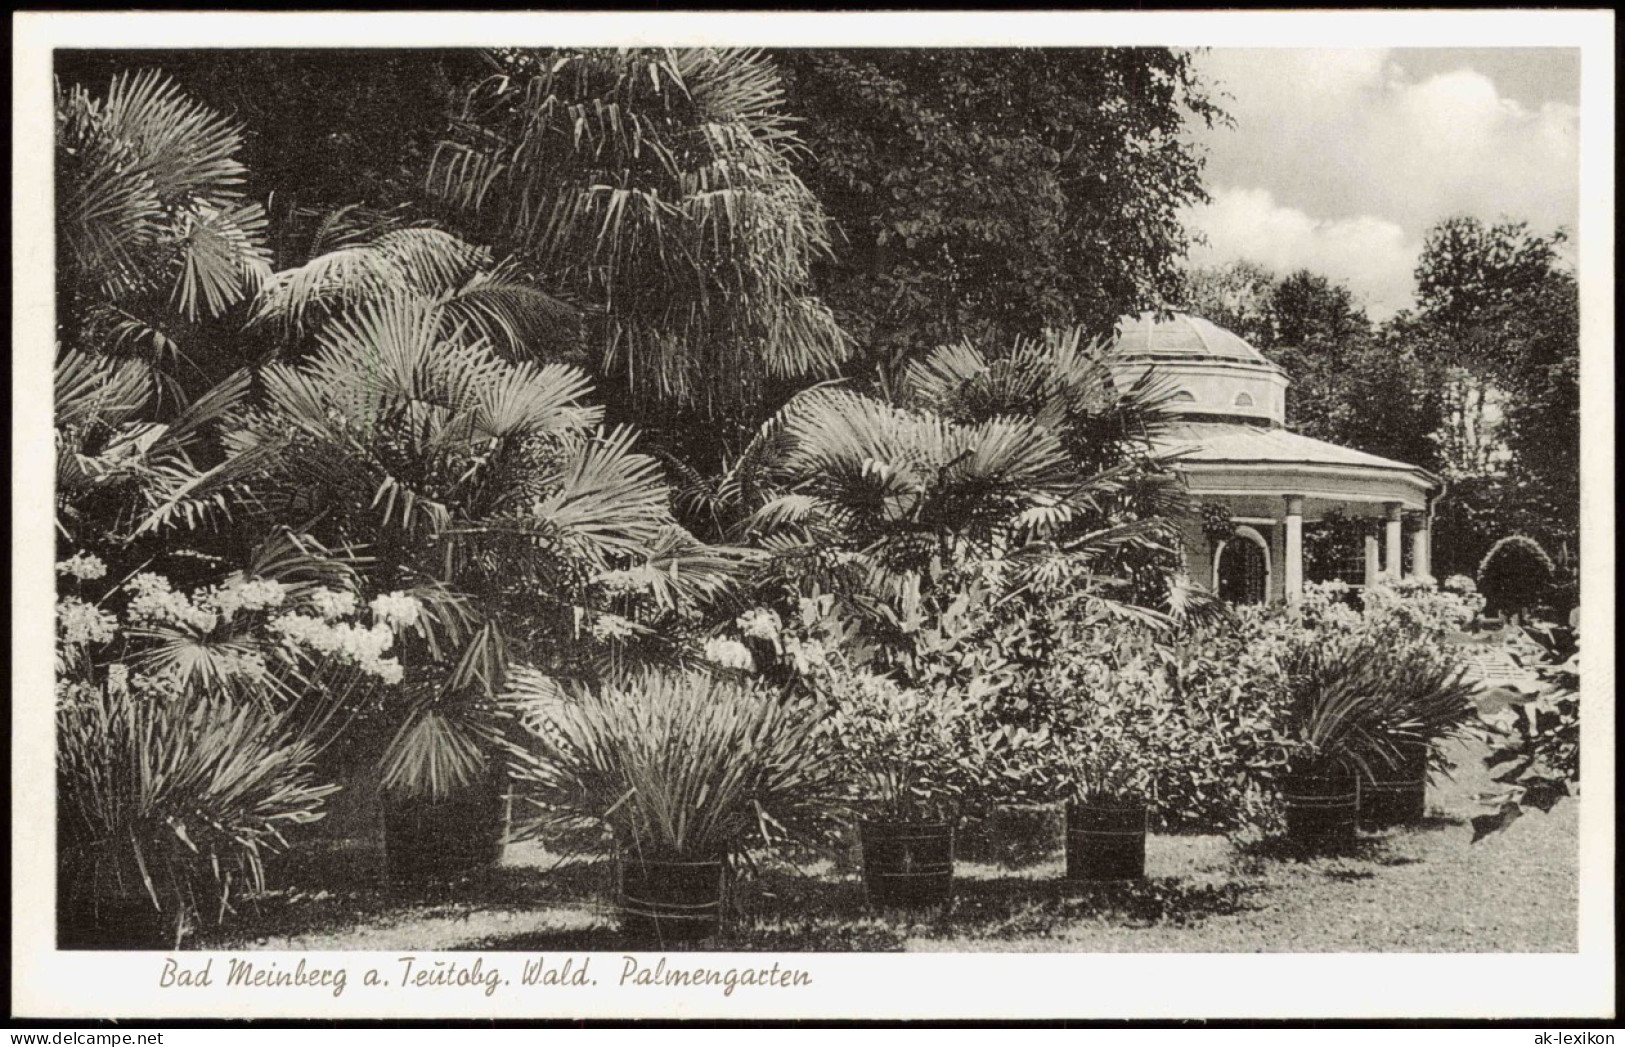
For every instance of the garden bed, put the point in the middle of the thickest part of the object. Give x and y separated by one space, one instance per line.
1422 889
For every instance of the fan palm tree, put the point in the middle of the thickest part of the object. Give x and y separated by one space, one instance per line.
1123 524
154 233
485 488
1033 458
353 256
656 185
120 474
156 247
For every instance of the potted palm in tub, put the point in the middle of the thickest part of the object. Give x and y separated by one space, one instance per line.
685 772
1336 727
1430 701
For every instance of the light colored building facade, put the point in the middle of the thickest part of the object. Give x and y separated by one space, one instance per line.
1234 450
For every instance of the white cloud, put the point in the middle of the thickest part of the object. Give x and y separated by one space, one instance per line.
1341 133
1372 255
1340 160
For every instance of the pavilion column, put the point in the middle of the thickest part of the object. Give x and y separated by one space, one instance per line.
1373 560
1395 552
1294 548
1422 546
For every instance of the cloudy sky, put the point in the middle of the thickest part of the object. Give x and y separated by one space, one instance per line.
1340 160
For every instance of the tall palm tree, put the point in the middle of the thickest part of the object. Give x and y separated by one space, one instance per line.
656 185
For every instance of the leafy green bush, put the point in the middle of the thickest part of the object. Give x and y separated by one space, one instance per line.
1227 689
1100 686
1542 744
1540 739
675 765
1515 574
1415 611
1109 714
924 753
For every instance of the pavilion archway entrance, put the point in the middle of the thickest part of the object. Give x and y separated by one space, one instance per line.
1242 568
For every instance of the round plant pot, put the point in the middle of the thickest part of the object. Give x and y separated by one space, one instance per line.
908 865
1105 840
1322 809
122 923
98 910
1397 794
427 840
671 901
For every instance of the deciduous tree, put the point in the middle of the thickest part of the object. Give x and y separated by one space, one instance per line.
990 194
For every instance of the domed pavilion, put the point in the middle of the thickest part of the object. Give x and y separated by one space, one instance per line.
1235 451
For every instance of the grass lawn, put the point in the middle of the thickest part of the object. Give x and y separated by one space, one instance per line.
1421 889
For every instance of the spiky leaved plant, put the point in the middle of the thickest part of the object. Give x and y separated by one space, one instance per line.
1341 699
680 765
171 801
1356 700
485 489
1431 697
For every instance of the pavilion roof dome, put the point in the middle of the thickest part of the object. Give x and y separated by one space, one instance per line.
1181 337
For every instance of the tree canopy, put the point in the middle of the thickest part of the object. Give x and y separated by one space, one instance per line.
1479 382
1500 307
992 194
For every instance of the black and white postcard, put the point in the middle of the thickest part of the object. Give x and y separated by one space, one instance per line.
850 515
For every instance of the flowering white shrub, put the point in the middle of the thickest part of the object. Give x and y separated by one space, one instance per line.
257 594
608 627
761 623
729 653
79 623
1419 611
332 603
82 566
361 646
396 610
235 637
628 582
155 602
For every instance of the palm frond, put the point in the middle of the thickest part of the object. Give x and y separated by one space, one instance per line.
682 572
674 204
95 389
150 195
608 500
435 753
